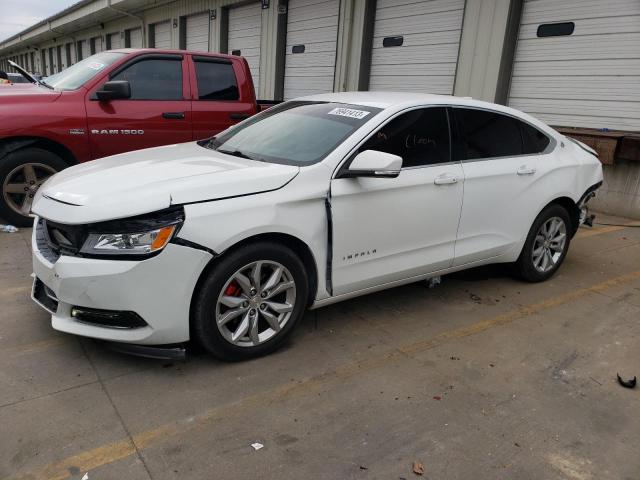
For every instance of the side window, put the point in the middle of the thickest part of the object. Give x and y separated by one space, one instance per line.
489 134
154 79
533 140
216 81
420 137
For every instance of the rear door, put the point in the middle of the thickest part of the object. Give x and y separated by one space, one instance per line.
507 165
221 95
158 112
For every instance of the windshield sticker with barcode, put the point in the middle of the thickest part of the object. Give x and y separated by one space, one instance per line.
96 65
349 112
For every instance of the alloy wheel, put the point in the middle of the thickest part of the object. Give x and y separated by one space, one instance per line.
20 186
549 244
255 303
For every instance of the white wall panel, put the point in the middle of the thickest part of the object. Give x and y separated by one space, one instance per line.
590 78
245 29
426 61
198 32
162 34
313 25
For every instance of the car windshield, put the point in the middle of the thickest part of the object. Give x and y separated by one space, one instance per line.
78 74
293 133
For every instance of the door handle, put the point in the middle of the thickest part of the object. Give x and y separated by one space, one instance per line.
445 179
173 115
526 170
238 116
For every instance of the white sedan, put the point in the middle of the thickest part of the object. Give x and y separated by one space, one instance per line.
229 240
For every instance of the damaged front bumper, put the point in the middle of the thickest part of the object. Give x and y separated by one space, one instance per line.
143 302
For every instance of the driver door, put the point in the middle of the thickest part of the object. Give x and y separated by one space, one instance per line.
390 229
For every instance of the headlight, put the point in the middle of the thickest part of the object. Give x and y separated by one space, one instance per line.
138 236
140 243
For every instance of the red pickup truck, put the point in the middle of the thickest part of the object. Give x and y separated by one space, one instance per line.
109 103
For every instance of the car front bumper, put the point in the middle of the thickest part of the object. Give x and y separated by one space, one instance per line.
158 289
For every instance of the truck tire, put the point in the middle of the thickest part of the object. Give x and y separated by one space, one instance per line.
546 246
21 174
250 302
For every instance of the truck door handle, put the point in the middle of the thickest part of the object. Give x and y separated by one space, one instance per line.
445 179
526 170
238 116
173 115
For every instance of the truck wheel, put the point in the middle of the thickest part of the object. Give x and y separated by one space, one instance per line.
546 246
250 302
21 174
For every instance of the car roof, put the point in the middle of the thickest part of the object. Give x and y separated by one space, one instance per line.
161 51
401 100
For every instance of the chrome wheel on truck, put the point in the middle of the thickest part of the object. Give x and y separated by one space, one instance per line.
255 303
249 301
20 185
22 172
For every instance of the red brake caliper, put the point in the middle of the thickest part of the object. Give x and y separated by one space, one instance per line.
232 290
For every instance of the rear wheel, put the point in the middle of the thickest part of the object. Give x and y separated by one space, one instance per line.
250 302
546 246
22 172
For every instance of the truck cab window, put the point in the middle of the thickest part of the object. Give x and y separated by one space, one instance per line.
216 80
154 79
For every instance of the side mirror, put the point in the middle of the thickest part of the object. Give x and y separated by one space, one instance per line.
372 163
114 90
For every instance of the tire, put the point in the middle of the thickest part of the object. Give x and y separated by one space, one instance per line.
533 264
225 309
21 174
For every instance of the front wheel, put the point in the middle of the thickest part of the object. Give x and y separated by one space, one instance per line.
546 246
250 302
22 172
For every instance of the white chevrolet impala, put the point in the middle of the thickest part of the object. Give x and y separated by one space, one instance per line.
229 240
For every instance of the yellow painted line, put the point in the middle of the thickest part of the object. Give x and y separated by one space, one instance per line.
112 452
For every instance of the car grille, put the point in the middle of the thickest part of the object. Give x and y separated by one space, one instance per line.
42 243
62 239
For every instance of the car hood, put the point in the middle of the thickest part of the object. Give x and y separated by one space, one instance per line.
27 92
148 180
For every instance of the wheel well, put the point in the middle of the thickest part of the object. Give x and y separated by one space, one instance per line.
9 145
295 244
573 210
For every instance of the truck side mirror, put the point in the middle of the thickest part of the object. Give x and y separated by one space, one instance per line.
114 90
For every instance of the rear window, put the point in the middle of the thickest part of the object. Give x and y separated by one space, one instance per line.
489 134
216 80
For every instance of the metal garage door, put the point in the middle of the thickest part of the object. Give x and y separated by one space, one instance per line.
83 49
312 30
198 32
135 38
162 35
114 41
97 44
415 45
245 27
588 78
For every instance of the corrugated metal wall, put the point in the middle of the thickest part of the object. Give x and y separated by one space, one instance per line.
590 78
